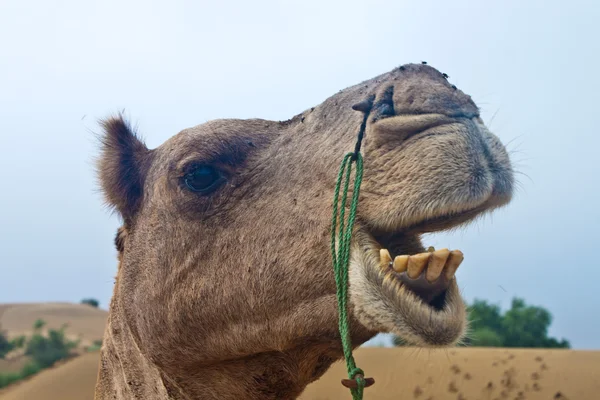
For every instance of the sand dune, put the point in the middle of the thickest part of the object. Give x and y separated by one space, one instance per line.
400 373
70 379
73 380
83 321
469 373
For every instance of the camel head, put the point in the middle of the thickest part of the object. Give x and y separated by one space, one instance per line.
224 252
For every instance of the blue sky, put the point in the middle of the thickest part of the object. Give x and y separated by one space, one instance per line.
531 66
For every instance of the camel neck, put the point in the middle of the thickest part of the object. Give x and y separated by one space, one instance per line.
125 373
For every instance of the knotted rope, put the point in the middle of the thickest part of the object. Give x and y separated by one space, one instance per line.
341 253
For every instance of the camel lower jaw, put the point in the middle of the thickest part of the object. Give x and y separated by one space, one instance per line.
413 295
426 274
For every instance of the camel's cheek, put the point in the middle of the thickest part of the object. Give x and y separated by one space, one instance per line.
196 294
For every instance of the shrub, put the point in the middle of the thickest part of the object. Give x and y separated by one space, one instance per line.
8 378
485 337
96 345
31 368
5 345
46 350
39 324
520 326
91 302
18 342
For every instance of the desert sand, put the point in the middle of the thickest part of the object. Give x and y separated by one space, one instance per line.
469 373
72 380
400 373
83 321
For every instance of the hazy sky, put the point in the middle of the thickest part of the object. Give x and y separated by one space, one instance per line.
530 65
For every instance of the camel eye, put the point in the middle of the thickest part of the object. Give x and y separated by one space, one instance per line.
203 179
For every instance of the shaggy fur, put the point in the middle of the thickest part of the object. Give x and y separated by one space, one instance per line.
231 295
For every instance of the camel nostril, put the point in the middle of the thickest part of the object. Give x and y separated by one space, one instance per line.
384 110
384 107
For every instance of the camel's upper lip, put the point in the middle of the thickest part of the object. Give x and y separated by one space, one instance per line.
453 220
434 224
416 122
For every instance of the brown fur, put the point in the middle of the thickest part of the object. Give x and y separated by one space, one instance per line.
231 295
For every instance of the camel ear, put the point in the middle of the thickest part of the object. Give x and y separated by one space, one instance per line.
122 167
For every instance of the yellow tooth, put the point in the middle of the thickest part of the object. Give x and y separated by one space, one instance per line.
384 258
454 260
436 264
400 263
430 249
417 263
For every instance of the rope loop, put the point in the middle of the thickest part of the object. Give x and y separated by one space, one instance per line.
341 240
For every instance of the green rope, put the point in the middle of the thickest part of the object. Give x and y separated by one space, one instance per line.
341 259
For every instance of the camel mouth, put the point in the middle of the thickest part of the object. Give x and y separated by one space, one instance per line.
404 288
407 289
398 286
427 275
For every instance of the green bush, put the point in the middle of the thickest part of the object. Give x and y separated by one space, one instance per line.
31 368
520 326
5 345
39 324
46 350
91 302
96 345
8 378
485 337
18 342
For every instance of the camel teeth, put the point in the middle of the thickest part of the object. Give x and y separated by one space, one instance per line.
436 264
384 258
400 263
456 257
416 264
